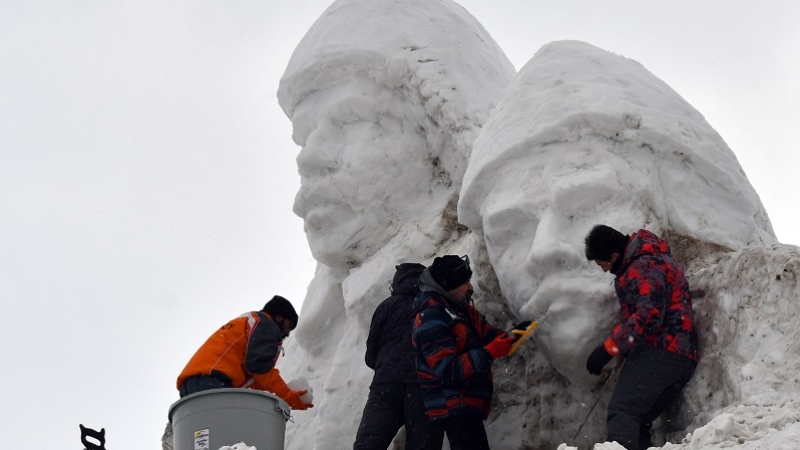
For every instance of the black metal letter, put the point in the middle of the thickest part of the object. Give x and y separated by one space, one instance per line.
88 432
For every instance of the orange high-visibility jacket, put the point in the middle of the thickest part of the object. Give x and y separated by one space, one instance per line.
245 351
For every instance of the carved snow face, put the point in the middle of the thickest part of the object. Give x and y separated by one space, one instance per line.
363 161
535 217
582 137
538 212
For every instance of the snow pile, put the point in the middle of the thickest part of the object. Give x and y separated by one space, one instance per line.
239 446
747 315
301 384
387 98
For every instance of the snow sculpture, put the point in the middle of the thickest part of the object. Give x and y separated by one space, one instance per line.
386 98
378 93
583 136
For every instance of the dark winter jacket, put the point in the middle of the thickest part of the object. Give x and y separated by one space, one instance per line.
655 303
453 367
389 350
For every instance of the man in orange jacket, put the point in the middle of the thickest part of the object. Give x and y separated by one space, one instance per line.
243 353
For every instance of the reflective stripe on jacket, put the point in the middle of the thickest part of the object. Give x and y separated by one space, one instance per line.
245 350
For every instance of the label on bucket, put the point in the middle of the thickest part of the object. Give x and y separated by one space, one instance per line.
201 440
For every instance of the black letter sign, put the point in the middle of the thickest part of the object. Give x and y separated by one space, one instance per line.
93 434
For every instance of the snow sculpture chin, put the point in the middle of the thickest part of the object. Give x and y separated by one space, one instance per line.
386 98
583 136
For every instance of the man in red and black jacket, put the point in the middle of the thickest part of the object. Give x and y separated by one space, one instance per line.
656 335
455 347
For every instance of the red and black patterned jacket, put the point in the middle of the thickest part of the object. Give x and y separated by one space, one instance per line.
453 367
655 303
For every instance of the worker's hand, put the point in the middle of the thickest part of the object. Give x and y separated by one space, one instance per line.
296 402
522 326
500 345
597 360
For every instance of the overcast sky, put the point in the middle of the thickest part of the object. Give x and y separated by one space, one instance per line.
147 174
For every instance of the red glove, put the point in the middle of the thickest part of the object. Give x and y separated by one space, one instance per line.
295 402
501 345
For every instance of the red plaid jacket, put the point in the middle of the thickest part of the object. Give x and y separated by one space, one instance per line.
654 299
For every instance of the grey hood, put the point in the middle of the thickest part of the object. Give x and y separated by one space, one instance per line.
428 284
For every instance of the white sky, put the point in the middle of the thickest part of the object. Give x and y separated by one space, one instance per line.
147 174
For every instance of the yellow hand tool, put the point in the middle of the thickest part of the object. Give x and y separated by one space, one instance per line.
523 334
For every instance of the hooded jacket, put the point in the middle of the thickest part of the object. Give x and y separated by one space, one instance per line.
244 351
389 351
655 304
453 367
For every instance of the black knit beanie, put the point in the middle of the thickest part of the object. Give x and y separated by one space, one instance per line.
602 241
450 271
281 307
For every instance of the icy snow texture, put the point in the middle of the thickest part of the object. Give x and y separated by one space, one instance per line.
387 98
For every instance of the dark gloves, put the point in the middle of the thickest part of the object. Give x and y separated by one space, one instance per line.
597 360
522 325
521 331
500 345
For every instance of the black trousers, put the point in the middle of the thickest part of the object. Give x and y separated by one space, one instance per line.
651 379
466 432
389 407
199 383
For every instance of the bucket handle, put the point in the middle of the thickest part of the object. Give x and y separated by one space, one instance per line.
287 415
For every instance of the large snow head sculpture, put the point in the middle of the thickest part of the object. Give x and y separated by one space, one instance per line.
583 136
386 98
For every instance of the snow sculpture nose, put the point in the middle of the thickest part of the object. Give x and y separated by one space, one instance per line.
318 157
554 247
